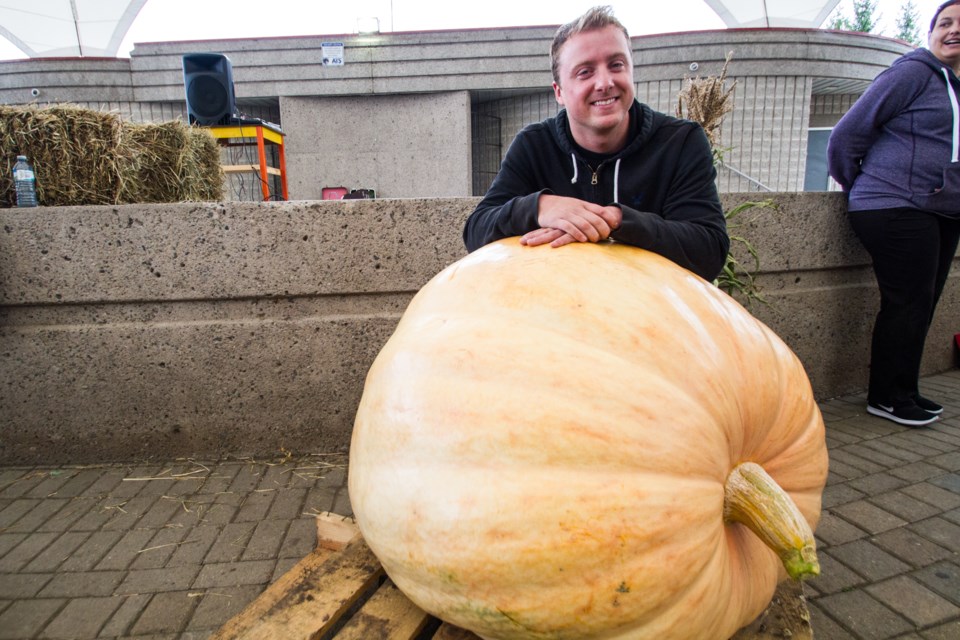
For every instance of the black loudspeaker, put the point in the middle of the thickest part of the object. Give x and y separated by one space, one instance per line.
208 82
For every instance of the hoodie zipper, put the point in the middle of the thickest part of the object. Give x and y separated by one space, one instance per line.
595 176
595 179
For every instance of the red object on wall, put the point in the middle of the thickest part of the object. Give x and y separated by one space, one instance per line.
334 193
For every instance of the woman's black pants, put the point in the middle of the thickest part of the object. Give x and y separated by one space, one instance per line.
912 251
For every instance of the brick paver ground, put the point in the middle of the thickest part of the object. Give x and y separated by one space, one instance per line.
174 550
889 539
157 550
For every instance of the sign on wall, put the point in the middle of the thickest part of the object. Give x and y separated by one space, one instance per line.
332 53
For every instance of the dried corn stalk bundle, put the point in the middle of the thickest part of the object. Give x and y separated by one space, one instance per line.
707 101
81 156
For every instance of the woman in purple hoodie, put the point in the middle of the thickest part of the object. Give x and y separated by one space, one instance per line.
895 154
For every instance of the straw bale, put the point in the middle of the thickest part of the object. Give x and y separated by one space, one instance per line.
82 156
204 167
74 153
170 162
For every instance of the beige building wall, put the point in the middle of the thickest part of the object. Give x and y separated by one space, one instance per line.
502 75
401 146
764 138
826 110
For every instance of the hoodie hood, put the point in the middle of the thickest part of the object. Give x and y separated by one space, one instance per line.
926 57
645 117
647 122
951 84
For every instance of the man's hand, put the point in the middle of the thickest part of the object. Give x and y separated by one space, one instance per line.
564 220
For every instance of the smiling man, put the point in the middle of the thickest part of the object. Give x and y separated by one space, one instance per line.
606 166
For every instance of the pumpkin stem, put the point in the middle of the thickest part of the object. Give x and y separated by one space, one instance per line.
754 499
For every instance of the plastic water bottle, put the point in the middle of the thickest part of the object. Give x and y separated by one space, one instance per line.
25 182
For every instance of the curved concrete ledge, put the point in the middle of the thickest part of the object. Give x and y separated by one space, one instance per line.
164 331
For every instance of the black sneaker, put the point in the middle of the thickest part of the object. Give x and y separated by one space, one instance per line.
910 415
928 405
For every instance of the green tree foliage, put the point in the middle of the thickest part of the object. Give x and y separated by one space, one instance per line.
908 24
864 20
839 22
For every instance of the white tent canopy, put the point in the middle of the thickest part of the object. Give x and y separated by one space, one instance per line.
804 14
50 28
96 28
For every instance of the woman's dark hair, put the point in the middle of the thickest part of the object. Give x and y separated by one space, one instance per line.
948 3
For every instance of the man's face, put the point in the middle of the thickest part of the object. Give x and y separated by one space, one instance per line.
944 40
596 86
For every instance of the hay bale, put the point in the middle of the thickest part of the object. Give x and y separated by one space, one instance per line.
74 153
204 170
82 156
169 162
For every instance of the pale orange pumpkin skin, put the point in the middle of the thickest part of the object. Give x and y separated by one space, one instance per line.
542 445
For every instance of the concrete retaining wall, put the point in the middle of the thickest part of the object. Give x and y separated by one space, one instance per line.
207 330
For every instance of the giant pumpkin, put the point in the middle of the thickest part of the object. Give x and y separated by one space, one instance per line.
586 442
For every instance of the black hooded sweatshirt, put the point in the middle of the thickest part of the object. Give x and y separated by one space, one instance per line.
663 181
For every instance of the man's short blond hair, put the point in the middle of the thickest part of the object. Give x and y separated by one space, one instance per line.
596 18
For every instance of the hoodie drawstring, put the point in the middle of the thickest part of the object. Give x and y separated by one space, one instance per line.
956 115
616 176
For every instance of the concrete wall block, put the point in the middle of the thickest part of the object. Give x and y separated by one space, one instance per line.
129 390
85 255
147 349
802 232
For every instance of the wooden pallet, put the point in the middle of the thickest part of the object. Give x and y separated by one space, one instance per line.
340 592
